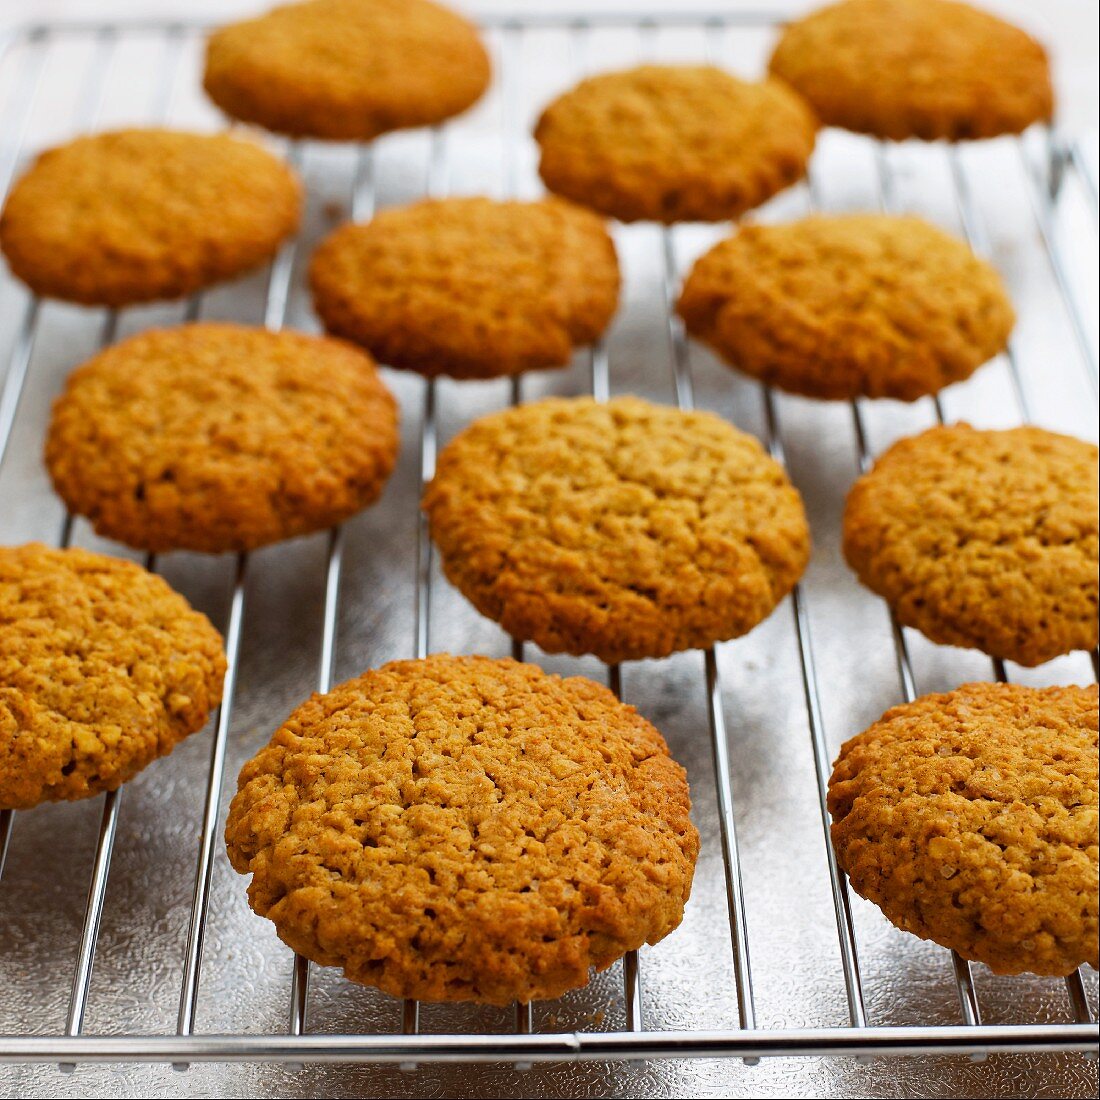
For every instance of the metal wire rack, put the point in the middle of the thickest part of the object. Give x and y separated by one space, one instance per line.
405 1045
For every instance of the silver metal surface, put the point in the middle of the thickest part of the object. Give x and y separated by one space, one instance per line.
125 937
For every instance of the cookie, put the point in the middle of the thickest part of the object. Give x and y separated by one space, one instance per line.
916 69
139 215
219 437
347 70
969 819
103 668
624 529
469 287
985 539
465 829
848 305
671 143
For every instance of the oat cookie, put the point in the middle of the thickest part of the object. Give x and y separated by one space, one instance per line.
103 668
848 305
465 829
221 437
986 539
672 143
348 70
969 819
624 529
916 69
138 215
469 287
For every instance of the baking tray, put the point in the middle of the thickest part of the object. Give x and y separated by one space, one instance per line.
124 935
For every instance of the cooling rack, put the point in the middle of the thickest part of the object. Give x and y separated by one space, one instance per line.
706 993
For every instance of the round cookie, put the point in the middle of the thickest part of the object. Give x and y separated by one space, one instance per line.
969 819
103 668
139 215
469 287
673 143
347 70
624 529
465 829
848 305
219 437
986 539
916 69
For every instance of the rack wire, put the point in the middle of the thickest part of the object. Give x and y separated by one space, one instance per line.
407 1046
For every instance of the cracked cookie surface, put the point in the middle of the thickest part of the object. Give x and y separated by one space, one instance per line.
469 287
465 829
140 215
103 668
624 529
970 819
985 539
926 69
672 143
217 437
347 70
848 305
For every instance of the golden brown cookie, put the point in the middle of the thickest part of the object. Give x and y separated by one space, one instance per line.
624 529
347 69
221 437
673 143
848 305
103 668
465 829
137 215
916 69
969 819
469 287
986 539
